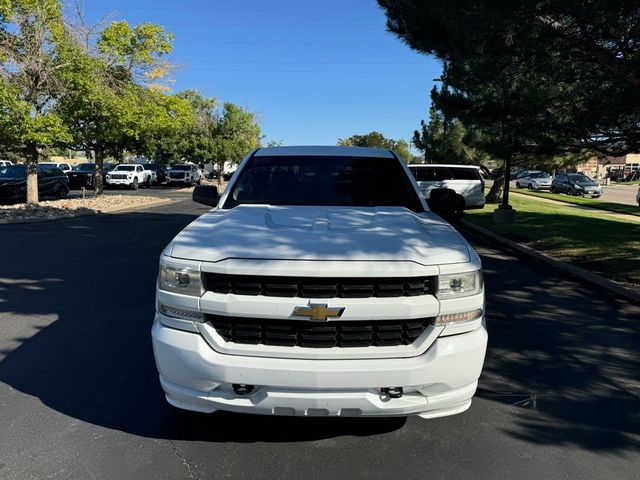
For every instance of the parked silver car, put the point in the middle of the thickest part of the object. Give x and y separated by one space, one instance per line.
533 180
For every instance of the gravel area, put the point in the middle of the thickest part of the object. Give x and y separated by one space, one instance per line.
51 209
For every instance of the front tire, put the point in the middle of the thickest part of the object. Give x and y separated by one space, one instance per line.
134 185
61 192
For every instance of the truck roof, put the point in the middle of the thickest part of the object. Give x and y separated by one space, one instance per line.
324 151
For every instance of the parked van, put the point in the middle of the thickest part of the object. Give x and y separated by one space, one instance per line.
465 180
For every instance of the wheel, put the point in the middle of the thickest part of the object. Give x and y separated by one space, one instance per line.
552 189
61 192
199 181
530 187
517 185
134 185
458 209
147 184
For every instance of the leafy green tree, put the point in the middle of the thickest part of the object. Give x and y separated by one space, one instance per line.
443 141
138 50
378 140
237 133
108 106
31 35
537 78
579 62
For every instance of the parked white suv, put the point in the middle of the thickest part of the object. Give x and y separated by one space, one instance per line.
320 285
186 173
465 180
131 175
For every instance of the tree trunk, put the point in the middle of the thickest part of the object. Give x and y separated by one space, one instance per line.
495 192
97 177
220 166
32 173
505 191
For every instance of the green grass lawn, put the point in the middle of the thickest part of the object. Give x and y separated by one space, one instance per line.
592 240
585 202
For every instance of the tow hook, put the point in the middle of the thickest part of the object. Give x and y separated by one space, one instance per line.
393 392
242 389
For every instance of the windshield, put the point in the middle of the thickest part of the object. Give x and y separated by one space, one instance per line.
85 167
325 181
540 175
13 171
181 168
151 166
580 178
125 168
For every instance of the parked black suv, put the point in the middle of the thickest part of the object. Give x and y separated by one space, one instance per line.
161 173
82 175
52 182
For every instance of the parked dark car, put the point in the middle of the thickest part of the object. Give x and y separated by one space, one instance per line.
52 182
227 176
213 174
161 173
575 184
83 175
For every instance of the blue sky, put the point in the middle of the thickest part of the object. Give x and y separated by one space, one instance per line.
313 72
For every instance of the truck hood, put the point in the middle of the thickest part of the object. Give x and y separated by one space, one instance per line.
320 233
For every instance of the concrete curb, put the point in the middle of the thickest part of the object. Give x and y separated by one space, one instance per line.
584 275
88 214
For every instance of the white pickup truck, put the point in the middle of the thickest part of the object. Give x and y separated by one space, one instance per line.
131 175
320 284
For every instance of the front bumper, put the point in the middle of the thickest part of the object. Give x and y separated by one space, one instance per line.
437 383
80 181
179 180
120 182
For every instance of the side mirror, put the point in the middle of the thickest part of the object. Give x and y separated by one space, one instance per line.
443 201
206 195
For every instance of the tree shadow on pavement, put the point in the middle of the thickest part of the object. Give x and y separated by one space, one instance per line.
564 351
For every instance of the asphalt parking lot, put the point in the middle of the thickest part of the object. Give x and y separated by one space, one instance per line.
163 191
80 398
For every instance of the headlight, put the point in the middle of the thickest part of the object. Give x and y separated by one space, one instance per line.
459 284
180 280
461 317
578 187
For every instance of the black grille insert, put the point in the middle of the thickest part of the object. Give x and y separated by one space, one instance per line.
310 287
301 333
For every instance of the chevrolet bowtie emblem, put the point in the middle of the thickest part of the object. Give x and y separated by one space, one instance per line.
318 312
